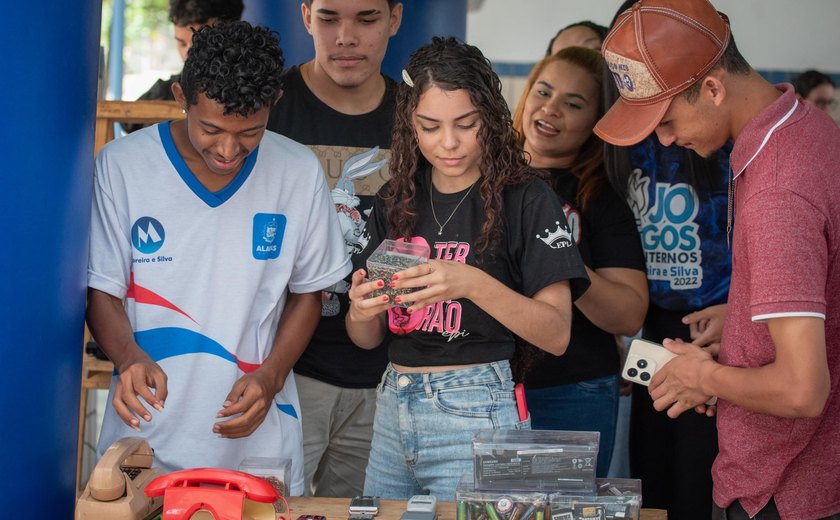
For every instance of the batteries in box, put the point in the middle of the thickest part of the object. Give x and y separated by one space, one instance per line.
472 504
615 499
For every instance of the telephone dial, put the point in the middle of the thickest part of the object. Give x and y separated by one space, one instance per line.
115 488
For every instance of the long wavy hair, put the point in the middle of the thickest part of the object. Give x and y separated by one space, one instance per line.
589 163
450 65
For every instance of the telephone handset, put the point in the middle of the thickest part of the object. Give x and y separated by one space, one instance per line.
115 487
207 493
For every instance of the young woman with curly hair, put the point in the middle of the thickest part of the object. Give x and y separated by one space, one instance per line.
554 118
502 265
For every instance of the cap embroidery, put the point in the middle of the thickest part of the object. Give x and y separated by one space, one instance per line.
633 78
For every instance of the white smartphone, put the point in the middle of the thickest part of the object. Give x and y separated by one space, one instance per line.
644 358
367 505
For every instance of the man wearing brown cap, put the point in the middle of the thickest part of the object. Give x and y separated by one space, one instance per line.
778 373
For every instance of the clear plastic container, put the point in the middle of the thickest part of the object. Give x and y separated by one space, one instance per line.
539 460
389 258
274 470
475 504
614 499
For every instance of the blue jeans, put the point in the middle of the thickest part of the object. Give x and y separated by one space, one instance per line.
425 423
590 406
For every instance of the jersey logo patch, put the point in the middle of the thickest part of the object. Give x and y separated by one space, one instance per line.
559 238
147 235
269 229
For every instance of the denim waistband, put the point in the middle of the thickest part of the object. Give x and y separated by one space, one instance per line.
488 373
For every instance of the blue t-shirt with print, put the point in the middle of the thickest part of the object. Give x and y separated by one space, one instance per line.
684 237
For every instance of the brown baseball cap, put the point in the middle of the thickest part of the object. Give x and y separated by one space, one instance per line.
655 50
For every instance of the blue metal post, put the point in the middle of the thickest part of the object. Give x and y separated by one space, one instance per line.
115 54
423 19
284 17
49 63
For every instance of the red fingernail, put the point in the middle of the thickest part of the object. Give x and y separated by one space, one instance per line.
384 298
392 285
408 311
394 277
380 283
398 299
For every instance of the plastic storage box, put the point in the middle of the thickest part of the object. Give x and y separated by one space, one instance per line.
275 470
390 257
538 460
615 499
472 504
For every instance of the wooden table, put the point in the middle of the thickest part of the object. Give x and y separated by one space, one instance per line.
336 509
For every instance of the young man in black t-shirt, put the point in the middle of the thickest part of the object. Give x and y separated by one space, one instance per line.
342 107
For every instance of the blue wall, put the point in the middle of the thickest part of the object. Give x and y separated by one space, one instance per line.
49 64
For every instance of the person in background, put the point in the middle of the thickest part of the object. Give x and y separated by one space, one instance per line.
554 119
579 34
211 240
188 16
778 370
679 200
816 88
342 107
503 264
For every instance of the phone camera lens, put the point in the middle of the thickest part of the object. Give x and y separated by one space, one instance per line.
642 363
632 372
645 376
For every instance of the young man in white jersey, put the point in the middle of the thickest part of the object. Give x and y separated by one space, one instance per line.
342 107
211 240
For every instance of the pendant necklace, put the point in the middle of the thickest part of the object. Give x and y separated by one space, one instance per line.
432 204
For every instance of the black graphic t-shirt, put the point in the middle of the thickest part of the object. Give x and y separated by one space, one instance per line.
354 152
160 91
607 237
537 250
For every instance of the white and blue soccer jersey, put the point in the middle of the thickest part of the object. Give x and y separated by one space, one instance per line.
205 278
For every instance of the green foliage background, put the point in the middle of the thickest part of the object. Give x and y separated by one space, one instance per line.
148 48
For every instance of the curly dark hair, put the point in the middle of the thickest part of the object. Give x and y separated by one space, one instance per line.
189 12
235 64
450 64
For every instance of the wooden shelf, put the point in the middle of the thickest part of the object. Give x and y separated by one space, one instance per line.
146 112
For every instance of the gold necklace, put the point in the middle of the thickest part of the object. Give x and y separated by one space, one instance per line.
432 204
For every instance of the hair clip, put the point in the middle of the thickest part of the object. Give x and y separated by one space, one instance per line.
407 78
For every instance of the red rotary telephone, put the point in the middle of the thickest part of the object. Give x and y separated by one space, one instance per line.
212 493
